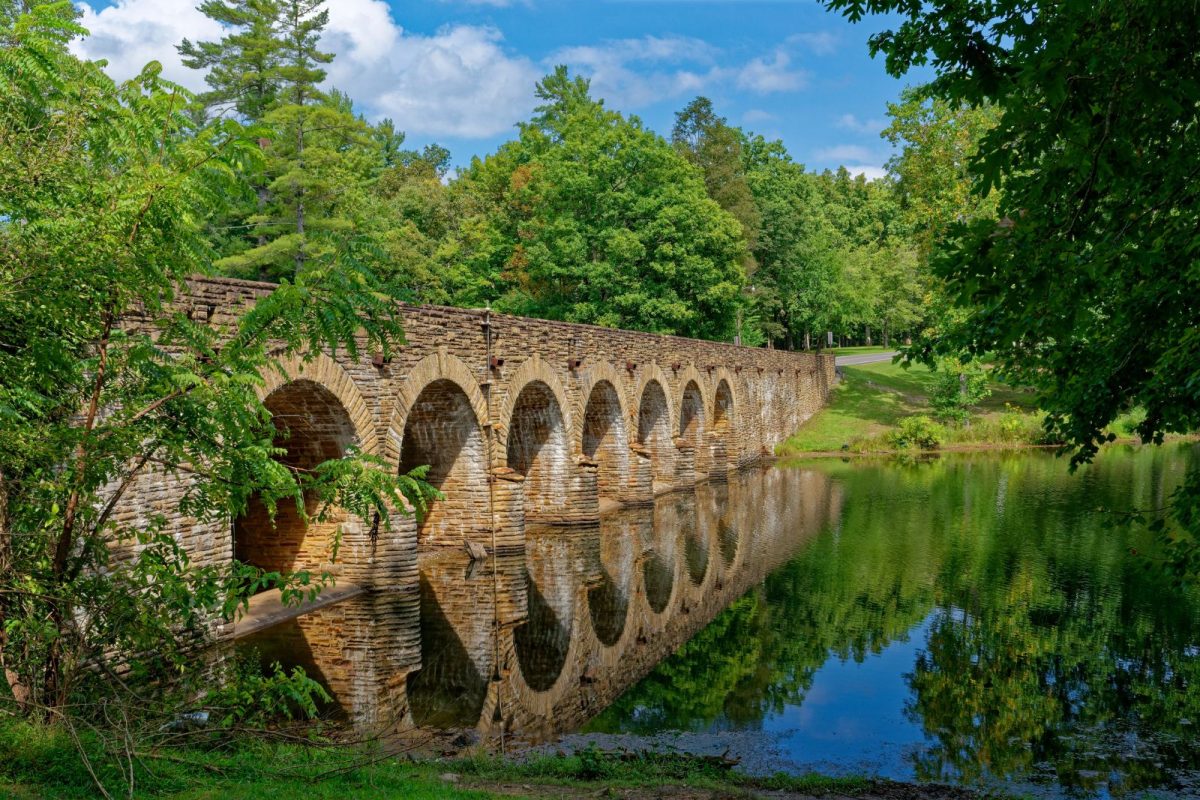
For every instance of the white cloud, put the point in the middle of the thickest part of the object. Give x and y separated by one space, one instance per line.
872 172
131 33
852 123
631 73
844 153
459 81
856 159
758 115
823 43
764 77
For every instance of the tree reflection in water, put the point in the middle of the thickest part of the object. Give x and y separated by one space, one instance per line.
1049 651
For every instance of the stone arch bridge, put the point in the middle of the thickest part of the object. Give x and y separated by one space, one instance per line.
521 421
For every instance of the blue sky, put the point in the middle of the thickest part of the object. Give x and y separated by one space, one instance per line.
461 72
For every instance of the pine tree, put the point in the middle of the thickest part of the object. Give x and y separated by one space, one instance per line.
243 68
318 155
708 142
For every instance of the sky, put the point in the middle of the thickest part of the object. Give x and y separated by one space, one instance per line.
462 72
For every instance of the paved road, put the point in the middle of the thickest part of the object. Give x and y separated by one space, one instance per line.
854 361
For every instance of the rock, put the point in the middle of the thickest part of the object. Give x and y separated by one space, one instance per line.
477 551
450 777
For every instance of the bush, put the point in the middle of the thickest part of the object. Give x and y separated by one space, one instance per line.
920 432
957 388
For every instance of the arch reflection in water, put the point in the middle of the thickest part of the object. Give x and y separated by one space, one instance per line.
609 599
536 645
660 534
459 610
551 581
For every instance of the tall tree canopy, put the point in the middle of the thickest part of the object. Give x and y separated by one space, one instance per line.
589 217
1087 286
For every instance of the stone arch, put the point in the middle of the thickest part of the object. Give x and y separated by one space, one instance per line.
439 422
318 414
324 371
655 423
534 430
724 424
693 426
604 435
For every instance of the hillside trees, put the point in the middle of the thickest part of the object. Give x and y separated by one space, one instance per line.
104 190
589 217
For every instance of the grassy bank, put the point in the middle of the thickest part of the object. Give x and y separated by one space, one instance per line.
43 764
873 399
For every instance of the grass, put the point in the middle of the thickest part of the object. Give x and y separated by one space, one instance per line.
37 762
871 400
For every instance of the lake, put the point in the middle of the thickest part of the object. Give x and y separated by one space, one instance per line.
969 619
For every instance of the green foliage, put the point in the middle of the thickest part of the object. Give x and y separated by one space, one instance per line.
106 382
958 388
589 217
1084 288
251 696
920 432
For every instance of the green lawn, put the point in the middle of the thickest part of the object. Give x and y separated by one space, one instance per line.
42 763
872 398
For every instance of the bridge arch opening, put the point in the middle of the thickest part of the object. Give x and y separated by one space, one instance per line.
691 429
537 449
605 440
443 433
723 425
312 427
654 430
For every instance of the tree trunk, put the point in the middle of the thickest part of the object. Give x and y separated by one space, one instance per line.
868 335
19 691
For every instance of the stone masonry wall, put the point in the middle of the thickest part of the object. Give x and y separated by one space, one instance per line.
528 445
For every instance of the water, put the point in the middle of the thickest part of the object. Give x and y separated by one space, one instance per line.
969 619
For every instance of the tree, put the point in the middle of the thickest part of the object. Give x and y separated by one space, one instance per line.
318 156
243 68
1086 287
104 378
934 182
708 142
589 217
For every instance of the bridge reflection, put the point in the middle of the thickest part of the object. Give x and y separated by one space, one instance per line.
533 645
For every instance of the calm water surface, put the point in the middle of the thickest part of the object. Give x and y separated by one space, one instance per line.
969 619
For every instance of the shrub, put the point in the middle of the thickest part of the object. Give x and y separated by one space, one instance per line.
957 388
920 432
